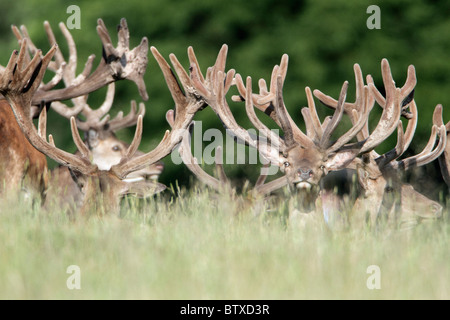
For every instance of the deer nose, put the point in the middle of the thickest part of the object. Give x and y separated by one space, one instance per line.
304 174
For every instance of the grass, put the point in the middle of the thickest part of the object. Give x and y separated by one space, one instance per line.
195 246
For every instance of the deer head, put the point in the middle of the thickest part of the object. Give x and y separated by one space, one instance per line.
303 158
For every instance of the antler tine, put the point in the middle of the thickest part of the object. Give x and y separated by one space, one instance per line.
310 128
174 87
193 63
77 139
427 155
42 124
59 59
437 115
60 63
315 121
407 91
393 154
123 34
23 34
391 112
412 124
281 70
337 116
283 116
136 140
65 110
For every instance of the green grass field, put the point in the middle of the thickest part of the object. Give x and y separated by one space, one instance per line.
197 246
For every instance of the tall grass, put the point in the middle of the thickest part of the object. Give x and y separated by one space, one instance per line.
203 246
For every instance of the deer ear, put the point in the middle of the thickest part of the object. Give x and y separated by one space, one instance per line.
340 160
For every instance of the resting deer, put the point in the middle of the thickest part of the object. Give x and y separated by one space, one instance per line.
22 165
99 130
102 189
304 158
384 194
106 149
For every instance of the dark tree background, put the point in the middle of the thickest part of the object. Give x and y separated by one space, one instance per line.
322 38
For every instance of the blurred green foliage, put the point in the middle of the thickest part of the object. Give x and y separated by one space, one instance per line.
322 38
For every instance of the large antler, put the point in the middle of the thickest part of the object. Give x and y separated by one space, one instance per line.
395 104
379 174
117 63
318 134
188 100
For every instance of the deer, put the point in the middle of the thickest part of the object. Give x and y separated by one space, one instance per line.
102 189
304 159
106 149
22 165
99 130
385 198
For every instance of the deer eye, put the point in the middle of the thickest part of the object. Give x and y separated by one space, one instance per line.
322 167
116 148
286 164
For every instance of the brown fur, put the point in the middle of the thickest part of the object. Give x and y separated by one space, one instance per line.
21 165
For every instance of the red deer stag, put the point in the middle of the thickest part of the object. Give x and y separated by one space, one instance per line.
304 158
106 149
384 194
21 164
